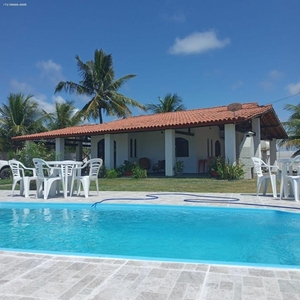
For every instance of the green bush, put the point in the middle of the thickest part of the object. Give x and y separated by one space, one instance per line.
227 171
111 174
34 150
178 168
138 172
102 171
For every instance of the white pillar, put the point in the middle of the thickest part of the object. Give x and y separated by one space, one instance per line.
273 152
169 151
79 151
230 143
94 146
60 148
109 151
256 138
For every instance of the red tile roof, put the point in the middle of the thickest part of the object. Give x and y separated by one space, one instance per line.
189 118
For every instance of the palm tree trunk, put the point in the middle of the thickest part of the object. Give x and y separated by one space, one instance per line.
100 116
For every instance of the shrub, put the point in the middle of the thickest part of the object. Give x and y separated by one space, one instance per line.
227 171
138 172
102 171
33 150
178 167
111 174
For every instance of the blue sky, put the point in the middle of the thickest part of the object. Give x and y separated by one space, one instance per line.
210 52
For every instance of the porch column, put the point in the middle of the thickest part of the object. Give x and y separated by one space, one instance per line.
256 138
94 144
60 148
230 143
79 151
169 151
109 151
273 151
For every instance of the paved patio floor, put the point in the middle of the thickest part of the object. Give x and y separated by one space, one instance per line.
29 276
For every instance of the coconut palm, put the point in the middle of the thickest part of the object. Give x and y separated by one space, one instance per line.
98 82
292 127
65 115
21 115
168 104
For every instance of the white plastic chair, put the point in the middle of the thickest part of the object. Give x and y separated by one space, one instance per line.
67 173
46 175
18 172
94 166
293 179
264 178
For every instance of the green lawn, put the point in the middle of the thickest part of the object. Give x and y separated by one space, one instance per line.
178 185
199 185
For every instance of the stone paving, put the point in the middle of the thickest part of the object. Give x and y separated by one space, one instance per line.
30 276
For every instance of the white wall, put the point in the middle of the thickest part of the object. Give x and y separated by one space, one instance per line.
152 146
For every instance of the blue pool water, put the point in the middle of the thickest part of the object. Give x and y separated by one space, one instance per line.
231 235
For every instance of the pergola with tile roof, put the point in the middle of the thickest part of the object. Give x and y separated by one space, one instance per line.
261 119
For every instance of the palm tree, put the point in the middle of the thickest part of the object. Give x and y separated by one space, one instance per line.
65 115
170 103
292 127
98 82
21 115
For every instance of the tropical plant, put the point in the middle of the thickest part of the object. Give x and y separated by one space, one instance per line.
292 127
98 82
128 166
19 116
110 174
138 172
227 171
178 167
170 103
65 115
33 150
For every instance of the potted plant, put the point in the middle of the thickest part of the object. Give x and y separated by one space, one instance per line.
213 168
178 167
128 167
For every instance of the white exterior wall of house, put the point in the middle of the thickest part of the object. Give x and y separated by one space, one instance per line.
152 145
205 139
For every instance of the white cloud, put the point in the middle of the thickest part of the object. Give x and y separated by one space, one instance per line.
41 99
266 85
57 98
50 70
178 17
20 87
272 77
198 42
293 88
237 85
275 75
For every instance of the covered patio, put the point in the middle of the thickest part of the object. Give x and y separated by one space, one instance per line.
189 136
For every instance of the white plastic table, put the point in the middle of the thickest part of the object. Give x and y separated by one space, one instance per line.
58 164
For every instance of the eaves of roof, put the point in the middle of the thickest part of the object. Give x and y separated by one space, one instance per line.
188 118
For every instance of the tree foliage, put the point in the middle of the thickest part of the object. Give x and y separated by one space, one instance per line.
169 103
99 83
19 116
292 127
65 115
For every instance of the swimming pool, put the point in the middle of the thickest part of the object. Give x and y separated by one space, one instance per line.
179 233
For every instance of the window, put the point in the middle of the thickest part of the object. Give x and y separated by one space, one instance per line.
217 149
132 148
181 147
101 149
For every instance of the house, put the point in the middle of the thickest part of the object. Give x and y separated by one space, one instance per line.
189 136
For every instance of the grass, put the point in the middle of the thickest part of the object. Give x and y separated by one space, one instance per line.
164 184
199 185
